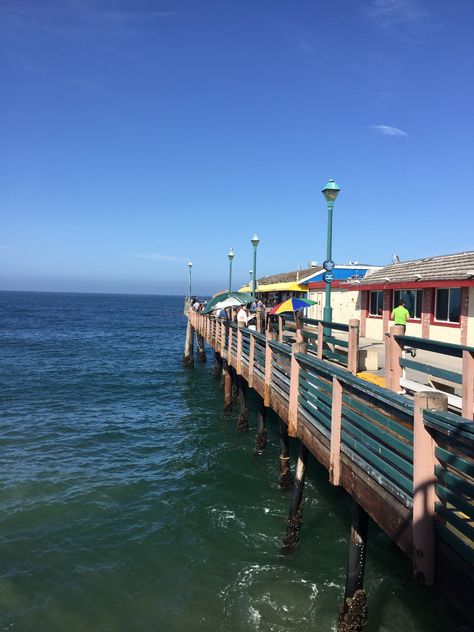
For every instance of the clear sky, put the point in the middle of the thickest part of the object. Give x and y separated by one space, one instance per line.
138 134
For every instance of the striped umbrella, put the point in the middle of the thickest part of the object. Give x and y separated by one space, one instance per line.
292 305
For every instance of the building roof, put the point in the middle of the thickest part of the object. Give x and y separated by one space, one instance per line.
458 266
288 277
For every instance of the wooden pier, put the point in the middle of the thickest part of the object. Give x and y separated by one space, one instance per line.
408 463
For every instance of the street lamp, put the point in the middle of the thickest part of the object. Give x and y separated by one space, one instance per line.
231 256
190 265
330 192
251 277
255 241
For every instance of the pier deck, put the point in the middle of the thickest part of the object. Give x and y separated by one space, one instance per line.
408 463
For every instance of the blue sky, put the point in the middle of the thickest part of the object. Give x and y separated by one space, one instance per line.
136 135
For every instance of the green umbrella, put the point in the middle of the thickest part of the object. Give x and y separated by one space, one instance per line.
242 297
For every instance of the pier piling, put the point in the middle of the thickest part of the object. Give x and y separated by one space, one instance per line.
188 357
201 353
243 418
227 388
285 479
261 437
354 614
295 515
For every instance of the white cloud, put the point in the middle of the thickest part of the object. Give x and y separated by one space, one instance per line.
157 256
393 12
388 130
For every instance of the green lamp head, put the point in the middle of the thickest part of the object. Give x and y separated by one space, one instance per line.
255 241
331 191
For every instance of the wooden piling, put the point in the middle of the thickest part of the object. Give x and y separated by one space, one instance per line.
295 515
201 353
243 418
354 614
261 438
285 479
188 357
227 388
217 367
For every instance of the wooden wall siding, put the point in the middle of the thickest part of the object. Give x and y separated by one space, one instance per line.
364 436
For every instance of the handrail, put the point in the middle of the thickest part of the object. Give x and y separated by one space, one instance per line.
327 324
393 399
436 346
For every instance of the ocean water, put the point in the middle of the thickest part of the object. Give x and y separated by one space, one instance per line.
128 502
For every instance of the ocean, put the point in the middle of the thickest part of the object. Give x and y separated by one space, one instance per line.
128 502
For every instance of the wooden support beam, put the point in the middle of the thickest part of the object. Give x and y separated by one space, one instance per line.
424 462
295 515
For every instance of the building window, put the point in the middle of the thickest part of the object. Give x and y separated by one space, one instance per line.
448 305
412 300
376 303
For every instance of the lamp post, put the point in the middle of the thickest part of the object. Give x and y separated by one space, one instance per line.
255 241
330 192
251 277
231 256
190 265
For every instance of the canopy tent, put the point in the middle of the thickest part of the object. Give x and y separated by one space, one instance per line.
290 286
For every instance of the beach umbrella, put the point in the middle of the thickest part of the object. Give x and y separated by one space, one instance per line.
292 305
241 298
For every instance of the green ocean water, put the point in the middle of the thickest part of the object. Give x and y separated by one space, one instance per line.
128 502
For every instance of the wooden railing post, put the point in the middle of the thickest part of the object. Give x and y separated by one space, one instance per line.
251 360
353 351
393 353
296 347
223 325
336 416
468 384
299 327
268 368
320 340
424 462
229 346
239 349
280 328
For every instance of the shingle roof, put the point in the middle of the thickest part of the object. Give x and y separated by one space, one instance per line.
459 266
286 277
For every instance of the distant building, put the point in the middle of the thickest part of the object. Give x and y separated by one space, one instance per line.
438 292
345 295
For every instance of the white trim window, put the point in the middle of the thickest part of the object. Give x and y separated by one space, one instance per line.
375 302
448 305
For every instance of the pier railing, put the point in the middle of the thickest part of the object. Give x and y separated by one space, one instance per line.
400 351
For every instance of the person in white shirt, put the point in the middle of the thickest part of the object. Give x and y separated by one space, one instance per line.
242 317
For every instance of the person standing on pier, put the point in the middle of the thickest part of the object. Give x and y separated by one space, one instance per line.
242 317
401 315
